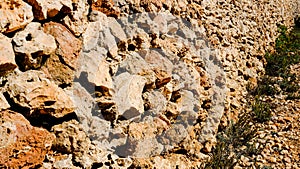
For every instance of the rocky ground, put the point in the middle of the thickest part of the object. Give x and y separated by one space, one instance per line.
147 84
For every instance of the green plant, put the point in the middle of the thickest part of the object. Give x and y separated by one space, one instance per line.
261 110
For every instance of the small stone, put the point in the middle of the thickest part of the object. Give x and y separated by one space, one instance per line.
287 159
68 45
3 102
272 159
106 7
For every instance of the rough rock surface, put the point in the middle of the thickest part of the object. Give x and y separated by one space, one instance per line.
33 92
149 89
22 145
60 66
7 60
15 14
77 20
44 9
32 46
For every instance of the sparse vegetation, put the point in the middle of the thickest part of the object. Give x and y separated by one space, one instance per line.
277 80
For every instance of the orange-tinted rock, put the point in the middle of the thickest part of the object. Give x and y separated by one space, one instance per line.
68 45
44 9
22 145
60 66
15 14
106 7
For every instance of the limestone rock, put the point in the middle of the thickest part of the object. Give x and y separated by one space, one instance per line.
128 95
61 74
15 14
44 9
70 138
22 145
77 20
7 56
60 66
136 65
160 65
3 102
32 91
68 46
106 7
32 45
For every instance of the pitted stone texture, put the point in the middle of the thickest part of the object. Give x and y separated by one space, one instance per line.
77 20
71 139
15 14
22 145
105 6
7 56
33 92
32 46
45 9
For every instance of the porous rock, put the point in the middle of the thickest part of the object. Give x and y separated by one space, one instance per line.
32 46
44 9
32 91
71 139
77 20
15 14
22 145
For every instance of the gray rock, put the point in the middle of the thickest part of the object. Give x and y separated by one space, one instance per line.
128 96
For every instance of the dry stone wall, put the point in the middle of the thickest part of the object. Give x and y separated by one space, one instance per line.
127 83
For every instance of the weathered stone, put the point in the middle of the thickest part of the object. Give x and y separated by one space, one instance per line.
68 46
60 66
22 145
77 20
103 78
3 102
32 91
32 45
160 65
87 72
128 96
61 74
106 7
59 161
7 56
136 65
70 138
44 9
15 14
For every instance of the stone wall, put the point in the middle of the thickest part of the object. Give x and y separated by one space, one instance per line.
89 84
